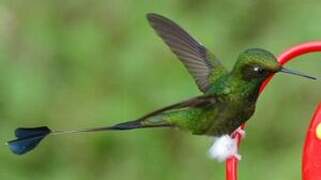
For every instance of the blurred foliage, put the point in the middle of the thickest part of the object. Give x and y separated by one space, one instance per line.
85 63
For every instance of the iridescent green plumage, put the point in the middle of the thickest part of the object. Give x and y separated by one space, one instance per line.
228 98
233 93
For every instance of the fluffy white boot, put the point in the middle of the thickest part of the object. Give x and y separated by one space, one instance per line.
224 147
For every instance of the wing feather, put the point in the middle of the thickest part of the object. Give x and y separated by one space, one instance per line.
191 53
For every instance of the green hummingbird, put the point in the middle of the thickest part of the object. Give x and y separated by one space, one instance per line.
228 97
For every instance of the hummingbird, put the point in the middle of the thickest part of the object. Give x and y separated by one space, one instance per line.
227 100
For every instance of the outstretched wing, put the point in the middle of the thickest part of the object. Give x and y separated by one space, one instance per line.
198 101
196 58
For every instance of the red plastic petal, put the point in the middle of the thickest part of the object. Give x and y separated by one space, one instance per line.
311 162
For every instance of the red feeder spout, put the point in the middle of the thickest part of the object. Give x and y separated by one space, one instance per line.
311 163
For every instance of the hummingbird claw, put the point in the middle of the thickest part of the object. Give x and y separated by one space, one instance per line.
240 132
237 156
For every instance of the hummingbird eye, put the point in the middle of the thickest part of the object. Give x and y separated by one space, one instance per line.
254 72
258 69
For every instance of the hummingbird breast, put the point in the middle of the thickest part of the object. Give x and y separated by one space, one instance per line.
232 110
229 117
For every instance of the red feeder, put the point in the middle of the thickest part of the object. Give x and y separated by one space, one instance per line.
311 167
311 163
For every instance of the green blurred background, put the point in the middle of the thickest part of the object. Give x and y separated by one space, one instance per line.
67 63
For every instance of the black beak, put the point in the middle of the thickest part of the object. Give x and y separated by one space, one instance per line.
288 71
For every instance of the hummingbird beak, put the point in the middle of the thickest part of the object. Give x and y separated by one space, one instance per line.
288 71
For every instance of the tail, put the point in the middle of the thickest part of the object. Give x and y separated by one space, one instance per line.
29 138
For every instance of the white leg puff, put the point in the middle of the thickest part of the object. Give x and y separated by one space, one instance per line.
224 147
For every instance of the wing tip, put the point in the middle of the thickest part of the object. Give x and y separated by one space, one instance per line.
154 17
151 16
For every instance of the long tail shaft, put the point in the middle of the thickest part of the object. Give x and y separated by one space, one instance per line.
28 138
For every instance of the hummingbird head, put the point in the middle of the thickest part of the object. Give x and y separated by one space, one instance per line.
256 65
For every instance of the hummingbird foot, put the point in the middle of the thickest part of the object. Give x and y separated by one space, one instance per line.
240 132
223 148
